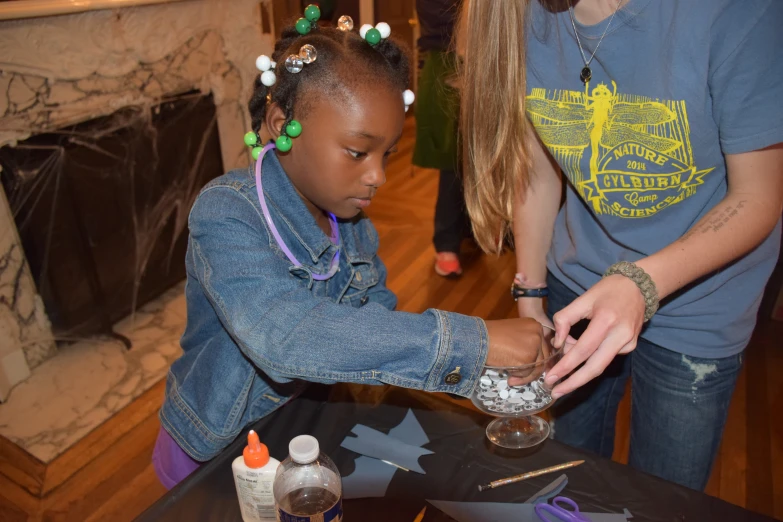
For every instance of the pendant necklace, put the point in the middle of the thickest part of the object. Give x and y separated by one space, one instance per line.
586 72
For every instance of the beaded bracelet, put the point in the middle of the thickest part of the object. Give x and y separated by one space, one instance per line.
642 280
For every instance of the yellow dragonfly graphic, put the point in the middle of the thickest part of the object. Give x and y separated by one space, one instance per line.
598 119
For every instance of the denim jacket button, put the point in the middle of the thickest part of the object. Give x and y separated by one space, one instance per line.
453 377
359 276
363 300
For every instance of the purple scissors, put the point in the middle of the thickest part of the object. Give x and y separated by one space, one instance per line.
563 509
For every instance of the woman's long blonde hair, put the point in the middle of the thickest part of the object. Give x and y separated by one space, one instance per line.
491 41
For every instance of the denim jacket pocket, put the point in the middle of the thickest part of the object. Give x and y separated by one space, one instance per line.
365 276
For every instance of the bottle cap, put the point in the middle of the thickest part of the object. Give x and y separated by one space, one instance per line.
303 449
256 454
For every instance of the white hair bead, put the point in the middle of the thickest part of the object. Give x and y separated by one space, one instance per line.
384 29
363 29
263 63
408 97
268 78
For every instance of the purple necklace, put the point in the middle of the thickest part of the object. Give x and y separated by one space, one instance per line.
332 221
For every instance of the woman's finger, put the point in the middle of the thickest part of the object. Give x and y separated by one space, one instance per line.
567 317
570 342
592 368
588 343
617 340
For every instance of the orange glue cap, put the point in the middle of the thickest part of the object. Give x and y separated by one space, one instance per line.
256 454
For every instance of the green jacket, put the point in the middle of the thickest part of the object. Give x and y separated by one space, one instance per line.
437 114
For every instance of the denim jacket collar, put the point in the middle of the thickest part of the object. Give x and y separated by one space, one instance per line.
300 224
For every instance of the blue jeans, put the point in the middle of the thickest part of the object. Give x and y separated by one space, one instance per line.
678 406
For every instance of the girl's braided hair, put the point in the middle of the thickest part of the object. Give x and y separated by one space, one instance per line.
344 60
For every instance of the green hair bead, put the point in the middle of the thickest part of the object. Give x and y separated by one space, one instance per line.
256 152
293 129
302 26
312 13
373 36
251 139
283 143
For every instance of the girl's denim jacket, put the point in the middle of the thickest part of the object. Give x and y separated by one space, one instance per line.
258 327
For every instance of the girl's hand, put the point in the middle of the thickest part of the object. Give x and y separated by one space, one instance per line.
514 342
615 308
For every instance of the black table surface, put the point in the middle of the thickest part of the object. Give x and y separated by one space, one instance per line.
463 458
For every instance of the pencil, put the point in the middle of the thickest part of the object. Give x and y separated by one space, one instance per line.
420 516
529 474
390 463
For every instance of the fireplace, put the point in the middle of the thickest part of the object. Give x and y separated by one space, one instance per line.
104 113
101 207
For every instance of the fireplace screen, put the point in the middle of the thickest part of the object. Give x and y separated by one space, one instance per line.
102 207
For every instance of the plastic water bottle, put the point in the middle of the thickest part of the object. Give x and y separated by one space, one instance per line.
308 487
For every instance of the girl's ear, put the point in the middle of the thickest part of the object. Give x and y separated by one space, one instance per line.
275 118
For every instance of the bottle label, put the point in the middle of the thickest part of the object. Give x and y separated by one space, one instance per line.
333 514
256 500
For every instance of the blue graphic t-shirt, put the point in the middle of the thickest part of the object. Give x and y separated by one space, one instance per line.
675 86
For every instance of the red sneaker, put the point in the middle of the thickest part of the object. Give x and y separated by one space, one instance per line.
447 265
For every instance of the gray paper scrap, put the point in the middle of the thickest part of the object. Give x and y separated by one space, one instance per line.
550 491
374 443
370 479
503 512
410 431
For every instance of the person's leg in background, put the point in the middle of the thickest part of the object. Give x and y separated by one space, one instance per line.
437 108
586 417
679 406
450 224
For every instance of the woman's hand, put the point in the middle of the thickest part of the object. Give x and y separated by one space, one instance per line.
615 308
532 308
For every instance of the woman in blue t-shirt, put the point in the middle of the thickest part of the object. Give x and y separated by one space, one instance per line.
662 124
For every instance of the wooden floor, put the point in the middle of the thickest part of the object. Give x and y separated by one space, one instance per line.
108 475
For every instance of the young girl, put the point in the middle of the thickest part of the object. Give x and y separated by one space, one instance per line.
284 284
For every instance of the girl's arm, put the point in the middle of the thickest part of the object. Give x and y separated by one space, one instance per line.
289 333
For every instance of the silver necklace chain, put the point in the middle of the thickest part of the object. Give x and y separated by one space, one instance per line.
586 73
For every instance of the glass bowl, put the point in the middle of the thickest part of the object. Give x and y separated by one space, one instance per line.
515 395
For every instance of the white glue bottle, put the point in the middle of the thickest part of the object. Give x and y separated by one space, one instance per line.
254 475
